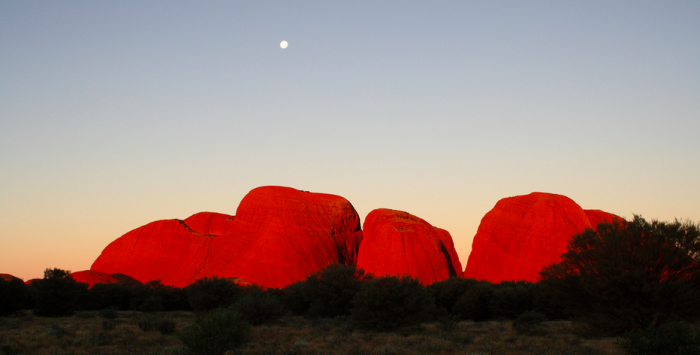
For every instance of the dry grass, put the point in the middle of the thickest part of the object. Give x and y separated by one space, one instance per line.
85 333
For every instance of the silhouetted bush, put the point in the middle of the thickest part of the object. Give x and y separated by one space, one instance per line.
330 291
294 299
259 308
165 326
13 294
388 303
115 295
474 302
57 294
167 298
448 322
216 332
630 275
146 324
529 322
446 293
209 293
667 339
510 299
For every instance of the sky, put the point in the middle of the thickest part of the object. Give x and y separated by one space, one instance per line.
117 114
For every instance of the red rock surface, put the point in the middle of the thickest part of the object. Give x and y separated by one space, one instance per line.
8 277
596 217
167 250
92 277
398 243
522 234
280 235
210 223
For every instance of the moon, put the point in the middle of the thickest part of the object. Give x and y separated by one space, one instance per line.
283 44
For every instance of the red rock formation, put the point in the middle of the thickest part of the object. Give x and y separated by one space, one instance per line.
398 243
92 277
210 223
280 235
596 217
522 234
167 250
8 277
126 279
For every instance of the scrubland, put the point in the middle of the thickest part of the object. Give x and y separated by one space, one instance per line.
89 333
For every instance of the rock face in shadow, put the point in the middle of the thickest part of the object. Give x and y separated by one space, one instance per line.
522 234
398 243
8 277
92 277
280 235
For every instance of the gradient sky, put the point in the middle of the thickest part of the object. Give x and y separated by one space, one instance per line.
116 114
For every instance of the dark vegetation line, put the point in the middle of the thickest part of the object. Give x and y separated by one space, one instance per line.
627 278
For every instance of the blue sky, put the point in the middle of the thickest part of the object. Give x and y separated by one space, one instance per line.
113 115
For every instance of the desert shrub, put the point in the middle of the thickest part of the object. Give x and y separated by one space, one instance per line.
12 296
667 339
330 291
153 296
84 314
108 313
447 292
167 298
390 302
448 322
209 293
109 324
474 303
216 332
530 322
259 308
57 294
165 326
152 303
146 324
59 332
294 299
629 275
115 295
510 299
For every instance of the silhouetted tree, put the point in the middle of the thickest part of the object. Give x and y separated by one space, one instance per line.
13 294
387 303
446 293
330 291
510 299
114 295
259 307
474 303
629 275
294 299
57 294
209 293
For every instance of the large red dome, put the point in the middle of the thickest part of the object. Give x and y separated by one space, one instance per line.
398 243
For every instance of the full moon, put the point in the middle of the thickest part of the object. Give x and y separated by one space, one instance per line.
283 44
